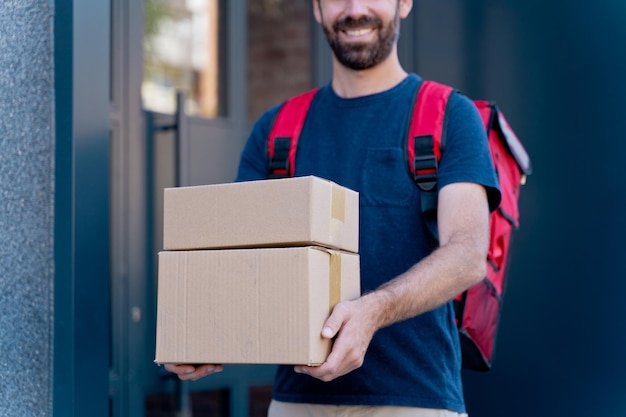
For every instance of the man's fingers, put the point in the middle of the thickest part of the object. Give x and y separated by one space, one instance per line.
328 332
201 371
334 322
179 369
324 372
334 367
349 347
190 372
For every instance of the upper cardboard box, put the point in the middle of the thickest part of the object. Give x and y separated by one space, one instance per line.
284 212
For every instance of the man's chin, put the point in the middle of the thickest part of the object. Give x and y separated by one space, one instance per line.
357 65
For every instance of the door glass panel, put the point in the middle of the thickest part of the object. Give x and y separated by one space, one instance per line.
185 49
279 52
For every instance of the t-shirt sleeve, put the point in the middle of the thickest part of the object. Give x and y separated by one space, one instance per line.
253 160
466 156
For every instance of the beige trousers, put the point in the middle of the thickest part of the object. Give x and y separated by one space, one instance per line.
282 409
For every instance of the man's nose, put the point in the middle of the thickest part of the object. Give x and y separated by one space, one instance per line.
356 8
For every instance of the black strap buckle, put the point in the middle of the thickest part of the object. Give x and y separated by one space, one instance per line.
279 163
425 172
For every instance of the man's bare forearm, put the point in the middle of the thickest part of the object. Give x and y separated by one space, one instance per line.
455 266
437 279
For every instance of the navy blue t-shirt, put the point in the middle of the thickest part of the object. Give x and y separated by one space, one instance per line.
359 143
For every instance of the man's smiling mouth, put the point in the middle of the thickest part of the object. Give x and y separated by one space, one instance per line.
359 32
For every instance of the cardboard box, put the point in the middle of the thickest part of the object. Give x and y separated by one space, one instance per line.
250 306
284 212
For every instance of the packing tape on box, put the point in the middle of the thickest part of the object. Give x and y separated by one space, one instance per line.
338 211
338 203
335 280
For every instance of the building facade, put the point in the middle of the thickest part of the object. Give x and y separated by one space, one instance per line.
105 102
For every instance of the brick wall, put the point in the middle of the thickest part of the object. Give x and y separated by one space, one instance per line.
279 52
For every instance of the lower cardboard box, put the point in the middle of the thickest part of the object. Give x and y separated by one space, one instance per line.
250 306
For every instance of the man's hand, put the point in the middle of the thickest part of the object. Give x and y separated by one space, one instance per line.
193 372
354 324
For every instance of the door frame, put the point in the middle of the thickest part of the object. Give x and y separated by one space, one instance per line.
81 215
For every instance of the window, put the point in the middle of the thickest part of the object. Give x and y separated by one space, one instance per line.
184 49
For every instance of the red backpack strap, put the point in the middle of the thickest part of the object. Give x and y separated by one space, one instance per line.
425 140
283 138
426 133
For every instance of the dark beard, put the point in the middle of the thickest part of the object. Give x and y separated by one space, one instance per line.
363 56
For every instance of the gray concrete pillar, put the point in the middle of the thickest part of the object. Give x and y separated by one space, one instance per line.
26 207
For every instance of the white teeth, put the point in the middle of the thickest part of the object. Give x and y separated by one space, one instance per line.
358 32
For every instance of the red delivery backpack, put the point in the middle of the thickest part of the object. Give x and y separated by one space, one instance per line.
478 308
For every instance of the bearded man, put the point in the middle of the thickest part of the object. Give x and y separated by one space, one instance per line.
396 348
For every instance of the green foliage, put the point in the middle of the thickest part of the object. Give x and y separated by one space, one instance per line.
154 13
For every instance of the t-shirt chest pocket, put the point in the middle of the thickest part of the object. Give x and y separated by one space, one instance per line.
385 180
